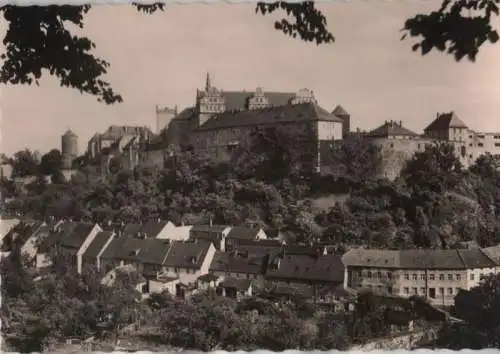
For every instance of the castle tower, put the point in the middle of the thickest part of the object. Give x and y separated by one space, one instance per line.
69 148
163 117
341 113
208 102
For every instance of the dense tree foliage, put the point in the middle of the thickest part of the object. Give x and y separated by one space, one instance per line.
39 39
435 203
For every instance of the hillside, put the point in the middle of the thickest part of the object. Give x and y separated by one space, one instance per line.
433 203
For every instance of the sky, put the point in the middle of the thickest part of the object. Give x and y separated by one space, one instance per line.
162 59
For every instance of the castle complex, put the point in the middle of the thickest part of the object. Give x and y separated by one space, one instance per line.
220 121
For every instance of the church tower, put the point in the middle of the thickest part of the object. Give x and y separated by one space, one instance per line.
208 102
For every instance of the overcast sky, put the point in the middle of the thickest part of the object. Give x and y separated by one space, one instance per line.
162 59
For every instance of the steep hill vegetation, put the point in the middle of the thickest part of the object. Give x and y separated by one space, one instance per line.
435 203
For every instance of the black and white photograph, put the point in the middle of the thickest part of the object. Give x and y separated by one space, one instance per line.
252 175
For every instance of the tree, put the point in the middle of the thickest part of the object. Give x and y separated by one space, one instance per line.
69 57
25 164
51 162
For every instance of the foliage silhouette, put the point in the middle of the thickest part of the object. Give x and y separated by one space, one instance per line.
38 38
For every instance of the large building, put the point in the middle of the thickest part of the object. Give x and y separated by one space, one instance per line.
437 275
221 120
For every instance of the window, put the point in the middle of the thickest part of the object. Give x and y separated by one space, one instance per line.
471 276
379 275
480 144
414 276
369 274
422 276
407 276
441 276
450 277
458 276
414 291
441 291
389 275
406 291
431 276
497 144
422 291
450 291
480 136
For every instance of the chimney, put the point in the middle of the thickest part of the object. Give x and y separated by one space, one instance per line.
400 123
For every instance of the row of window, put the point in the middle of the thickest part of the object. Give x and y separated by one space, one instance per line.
422 291
414 276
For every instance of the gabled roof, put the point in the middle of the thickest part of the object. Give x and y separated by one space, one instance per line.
97 244
153 228
154 251
476 258
339 111
73 234
269 116
358 257
235 262
20 233
328 268
445 121
238 100
391 128
241 232
187 255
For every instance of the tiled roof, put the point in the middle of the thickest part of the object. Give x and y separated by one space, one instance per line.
238 100
327 268
185 114
239 284
208 228
187 254
303 250
236 262
493 253
294 289
430 259
476 258
131 229
241 232
256 250
153 228
418 259
359 257
339 111
73 234
258 243
391 128
269 116
154 251
446 121
97 244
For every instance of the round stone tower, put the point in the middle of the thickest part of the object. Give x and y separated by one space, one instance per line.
69 148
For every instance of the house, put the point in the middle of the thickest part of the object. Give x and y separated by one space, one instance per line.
188 260
19 235
235 288
137 280
122 250
318 270
252 244
208 281
437 275
157 228
73 238
286 292
152 258
214 233
6 224
92 255
30 247
239 265
241 233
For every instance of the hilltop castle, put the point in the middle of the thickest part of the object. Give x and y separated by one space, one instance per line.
219 121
